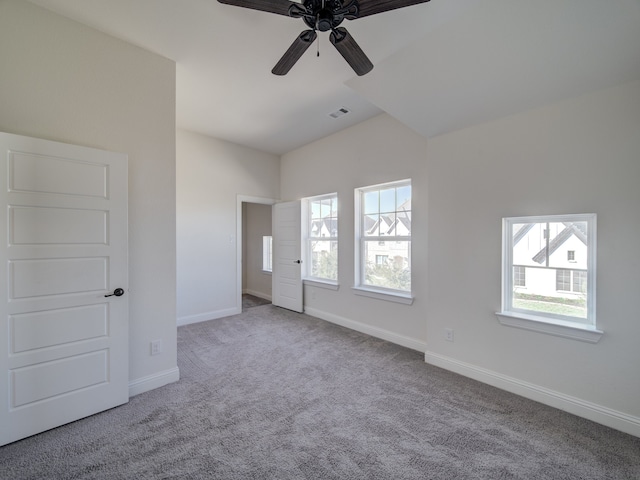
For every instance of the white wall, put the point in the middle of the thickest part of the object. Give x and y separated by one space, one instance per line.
211 174
256 219
577 156
66 82
376 151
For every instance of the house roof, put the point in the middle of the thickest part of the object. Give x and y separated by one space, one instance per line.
577 229
330 225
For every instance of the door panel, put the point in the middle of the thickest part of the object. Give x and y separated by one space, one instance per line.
31 331
63 246
60 226
287 274
31 172
48 380
37 278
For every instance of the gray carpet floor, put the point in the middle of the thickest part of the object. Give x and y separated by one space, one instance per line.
271 394
250 301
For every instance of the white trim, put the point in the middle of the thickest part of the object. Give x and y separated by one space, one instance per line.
405 299
305 234
359 244
261 295
239 200
203 317
507 271
550 326
151 382
320 284
392 337
576 406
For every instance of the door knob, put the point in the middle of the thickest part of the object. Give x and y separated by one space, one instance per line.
297 261
118 292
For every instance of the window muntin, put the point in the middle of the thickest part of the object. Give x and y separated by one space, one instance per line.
384 237
320 222
549 268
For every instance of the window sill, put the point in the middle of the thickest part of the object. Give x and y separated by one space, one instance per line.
267 272
558 328
405 299
321 284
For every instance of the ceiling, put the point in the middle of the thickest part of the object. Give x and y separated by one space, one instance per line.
439 66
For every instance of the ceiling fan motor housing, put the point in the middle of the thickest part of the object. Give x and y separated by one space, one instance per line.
325 15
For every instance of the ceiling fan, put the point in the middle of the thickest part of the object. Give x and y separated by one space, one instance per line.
324 15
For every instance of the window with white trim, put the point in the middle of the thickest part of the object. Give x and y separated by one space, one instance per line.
320 238
267 253
549 269
383 238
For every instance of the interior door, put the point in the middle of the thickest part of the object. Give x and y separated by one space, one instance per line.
63 251
287 264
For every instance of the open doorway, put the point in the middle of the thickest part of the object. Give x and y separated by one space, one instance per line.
254 262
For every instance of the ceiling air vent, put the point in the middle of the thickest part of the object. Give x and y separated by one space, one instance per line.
339 113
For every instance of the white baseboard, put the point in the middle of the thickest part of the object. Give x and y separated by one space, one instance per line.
582 408
203 317
151 382
392 337
261 295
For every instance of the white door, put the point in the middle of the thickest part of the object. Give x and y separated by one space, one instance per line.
287 273
63 249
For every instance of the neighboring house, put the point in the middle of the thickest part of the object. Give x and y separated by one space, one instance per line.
392 253
553 264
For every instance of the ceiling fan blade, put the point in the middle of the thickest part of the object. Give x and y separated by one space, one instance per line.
350 50
280 7
371 7
295 51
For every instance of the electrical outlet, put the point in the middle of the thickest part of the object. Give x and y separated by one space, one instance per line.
448 334
156 347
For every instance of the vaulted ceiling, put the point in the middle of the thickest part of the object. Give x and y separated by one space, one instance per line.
438 66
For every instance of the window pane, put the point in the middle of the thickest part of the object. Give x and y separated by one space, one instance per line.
388 200
371 202
579 281
321 232
563 280
324 259
267 249
325 207
314 209
403 225
548 254
371 225
388 226
403 195
387 265
519 276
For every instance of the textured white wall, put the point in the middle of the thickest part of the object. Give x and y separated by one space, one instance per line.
577 156
376 151
211 174
66 82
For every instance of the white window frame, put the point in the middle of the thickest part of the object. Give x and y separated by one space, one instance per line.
554 324
307 239
267 253
361 288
